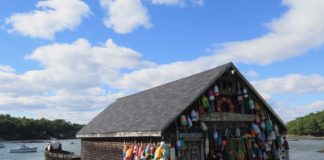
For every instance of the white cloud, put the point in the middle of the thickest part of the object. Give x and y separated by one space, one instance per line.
6 68
74 79
292 83
124 16
295 32
300 29
79 68
288 114
73 106
81 64
181 3
51 16
252 74
169 2
197 2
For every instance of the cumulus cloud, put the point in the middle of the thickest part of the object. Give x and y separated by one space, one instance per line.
197 2
123 16
299 111
74 70
292 83
51 16
180 3
74 79
6 68
298 30
169 2
295 32
252 74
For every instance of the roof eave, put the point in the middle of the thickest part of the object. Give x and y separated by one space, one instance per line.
120 134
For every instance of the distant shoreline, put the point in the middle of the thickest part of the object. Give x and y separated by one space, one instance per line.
32 141
297 137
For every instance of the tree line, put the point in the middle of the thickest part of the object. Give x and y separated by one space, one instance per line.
15 128
311 124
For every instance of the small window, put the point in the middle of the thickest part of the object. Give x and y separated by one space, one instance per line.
227 86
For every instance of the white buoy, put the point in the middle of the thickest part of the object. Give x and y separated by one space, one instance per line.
206 146
172 153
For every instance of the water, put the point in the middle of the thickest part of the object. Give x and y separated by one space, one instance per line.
306 150
299 150
39 155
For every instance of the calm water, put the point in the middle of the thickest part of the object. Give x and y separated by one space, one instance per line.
39 155
306 150
299 150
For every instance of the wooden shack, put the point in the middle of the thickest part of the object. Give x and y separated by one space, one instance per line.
215 114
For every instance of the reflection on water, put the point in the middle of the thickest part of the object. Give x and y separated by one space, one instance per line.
299 150
39 155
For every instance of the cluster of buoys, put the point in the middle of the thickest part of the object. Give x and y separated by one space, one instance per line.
261 139
163 151
265 139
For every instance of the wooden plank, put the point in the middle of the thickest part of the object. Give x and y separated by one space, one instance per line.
223 116
191 136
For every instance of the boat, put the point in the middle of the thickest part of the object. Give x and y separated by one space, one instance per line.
73 143
53 151
2 146
22 149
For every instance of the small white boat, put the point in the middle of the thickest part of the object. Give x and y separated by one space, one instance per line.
22 149
73 143
2 146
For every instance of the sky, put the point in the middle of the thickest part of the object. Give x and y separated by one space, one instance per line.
71 58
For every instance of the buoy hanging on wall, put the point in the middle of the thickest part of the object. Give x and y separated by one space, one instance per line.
147 151
194 116
189 122
275 127
237 132
126 147
227 101
205 103
166 151
139 151
183 120
172 153
211 95
216 91
179 147
201 109
203 126
251 104
239 96
212 100
206 146
215 135
159 151
245 93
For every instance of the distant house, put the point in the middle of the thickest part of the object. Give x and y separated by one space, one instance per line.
215 113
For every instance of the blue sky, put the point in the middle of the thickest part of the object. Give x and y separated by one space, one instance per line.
70 59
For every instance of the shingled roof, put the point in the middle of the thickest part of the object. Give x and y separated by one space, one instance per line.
149 112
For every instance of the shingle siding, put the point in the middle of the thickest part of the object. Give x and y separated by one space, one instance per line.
104 149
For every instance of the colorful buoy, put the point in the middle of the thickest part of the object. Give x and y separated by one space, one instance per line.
204 126
251 104
183 120
216 91
211 95
205 103
206 147
189 122
245 93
